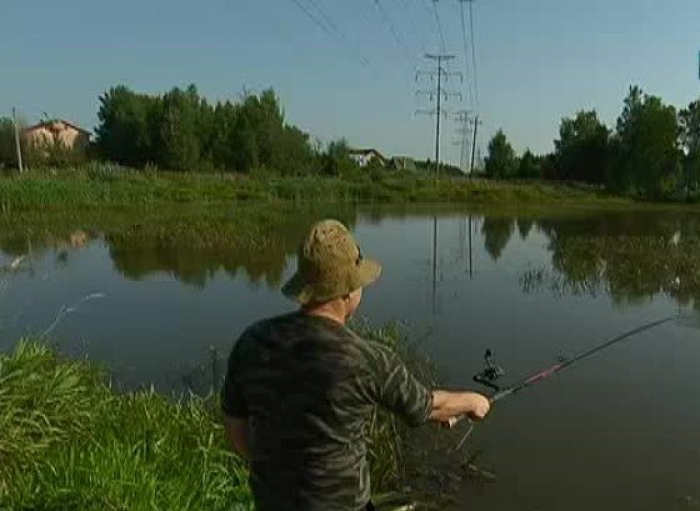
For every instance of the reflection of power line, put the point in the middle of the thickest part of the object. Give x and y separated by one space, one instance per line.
435 264
471 250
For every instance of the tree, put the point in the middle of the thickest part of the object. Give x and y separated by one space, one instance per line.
245 144
548 167
529 166
128 132
336 161
295 155
582 148
180 130
690 139
221 142
501 162
646 155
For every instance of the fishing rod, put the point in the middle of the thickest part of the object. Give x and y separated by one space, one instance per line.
492 372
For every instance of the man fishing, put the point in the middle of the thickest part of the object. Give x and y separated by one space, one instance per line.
300 387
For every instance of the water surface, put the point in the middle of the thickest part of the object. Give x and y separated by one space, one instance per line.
617 432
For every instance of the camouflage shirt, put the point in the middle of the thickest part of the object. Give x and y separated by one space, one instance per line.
308 385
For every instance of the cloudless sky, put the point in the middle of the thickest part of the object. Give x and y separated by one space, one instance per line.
537 61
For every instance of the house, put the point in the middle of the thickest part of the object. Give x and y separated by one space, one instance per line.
403 164
57 131
363 157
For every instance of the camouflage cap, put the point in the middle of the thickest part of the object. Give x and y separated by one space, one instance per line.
330 265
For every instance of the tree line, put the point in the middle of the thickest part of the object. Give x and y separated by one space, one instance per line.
653 152
182 131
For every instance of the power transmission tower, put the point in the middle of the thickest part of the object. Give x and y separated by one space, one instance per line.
440 94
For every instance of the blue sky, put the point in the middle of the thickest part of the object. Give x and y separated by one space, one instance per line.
537 61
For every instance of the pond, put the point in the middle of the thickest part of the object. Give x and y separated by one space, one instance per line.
160 299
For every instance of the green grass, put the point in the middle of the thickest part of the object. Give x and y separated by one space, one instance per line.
103 186
69 441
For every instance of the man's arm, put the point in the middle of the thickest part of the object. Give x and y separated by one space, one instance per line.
238 436
401 392
451 406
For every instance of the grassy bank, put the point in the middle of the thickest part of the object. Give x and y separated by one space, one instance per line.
70 442
104 186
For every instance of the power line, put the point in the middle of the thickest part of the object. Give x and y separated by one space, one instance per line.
466 53
314 18
325 17
474 90
441 32
471 25
413 26
395 33
328 26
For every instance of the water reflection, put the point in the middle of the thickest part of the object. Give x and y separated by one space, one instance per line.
497 232
631 256
525 225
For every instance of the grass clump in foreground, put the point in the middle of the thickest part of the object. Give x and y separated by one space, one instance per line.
71 442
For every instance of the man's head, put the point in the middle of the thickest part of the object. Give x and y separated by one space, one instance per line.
331 269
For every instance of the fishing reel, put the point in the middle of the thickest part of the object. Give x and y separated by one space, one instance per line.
492 372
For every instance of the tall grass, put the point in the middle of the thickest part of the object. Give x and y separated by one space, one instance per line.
388 434
69 441
99 186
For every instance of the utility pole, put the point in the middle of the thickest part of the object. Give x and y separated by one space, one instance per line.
439 93
17 144
477 122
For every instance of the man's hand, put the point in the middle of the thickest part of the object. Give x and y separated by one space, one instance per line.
449 407
478 406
